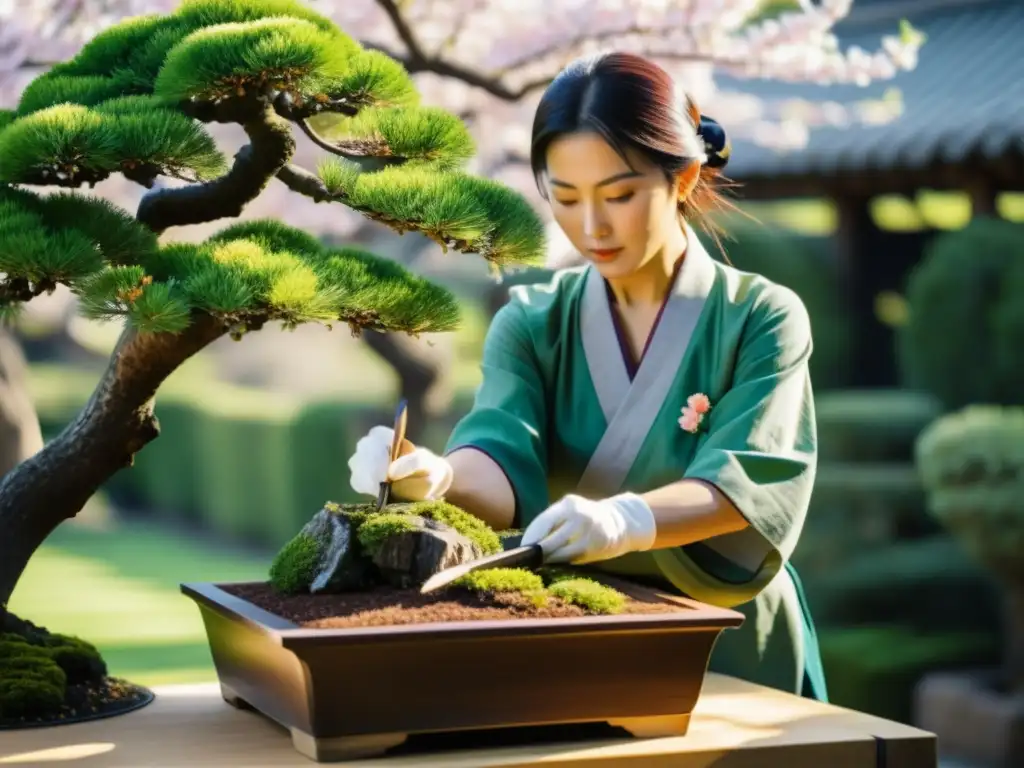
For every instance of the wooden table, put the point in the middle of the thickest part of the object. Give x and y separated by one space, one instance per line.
735 725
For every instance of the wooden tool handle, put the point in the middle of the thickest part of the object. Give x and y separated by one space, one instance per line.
401 419
401 416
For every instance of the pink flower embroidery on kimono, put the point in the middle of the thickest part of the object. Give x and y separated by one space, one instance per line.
693 413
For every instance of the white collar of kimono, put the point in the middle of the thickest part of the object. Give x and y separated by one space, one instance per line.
631 407
667 348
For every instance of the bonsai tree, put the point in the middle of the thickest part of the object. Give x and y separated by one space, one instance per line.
134 101
972 468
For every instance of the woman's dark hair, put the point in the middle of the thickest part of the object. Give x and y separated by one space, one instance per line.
631 102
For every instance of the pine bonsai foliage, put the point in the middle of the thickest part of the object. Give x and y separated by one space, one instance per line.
135 101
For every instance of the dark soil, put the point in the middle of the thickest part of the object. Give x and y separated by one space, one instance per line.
388 606
89 701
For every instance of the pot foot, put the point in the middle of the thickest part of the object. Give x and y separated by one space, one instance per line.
232 698
658 727
341 748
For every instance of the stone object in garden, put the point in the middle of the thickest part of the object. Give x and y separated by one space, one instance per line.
408 557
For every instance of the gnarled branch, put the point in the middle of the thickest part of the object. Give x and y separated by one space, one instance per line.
418 60
271 145
305 183
19 289
368 155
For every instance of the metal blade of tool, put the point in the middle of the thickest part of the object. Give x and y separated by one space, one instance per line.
519 557
401 419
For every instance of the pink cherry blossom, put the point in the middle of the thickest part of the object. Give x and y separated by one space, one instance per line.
492 59
690 420
699 403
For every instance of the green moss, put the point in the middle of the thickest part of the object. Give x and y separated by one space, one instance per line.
473 528
79 660
294 565
379 527
28 667
588 595
563 584
15 646
356 513
35 671
493 580
501 580
28 697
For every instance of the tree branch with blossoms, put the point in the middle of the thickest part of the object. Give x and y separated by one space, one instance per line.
509 50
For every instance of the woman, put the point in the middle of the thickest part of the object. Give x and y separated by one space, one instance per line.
651 412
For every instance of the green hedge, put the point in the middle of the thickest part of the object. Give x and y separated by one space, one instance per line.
876 669
965 330
857 507
256 465
804 265
972 466
249 464
872 425
929 585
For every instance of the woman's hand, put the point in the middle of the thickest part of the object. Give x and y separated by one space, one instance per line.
417 474
577 530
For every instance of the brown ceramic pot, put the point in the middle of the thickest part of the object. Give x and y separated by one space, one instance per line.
357 692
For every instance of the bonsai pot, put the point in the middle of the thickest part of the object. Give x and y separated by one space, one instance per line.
352 692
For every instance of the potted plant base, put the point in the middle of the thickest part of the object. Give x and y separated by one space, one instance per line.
361 689
48 678
355 671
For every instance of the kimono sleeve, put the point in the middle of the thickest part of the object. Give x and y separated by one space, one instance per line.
509 415
761 446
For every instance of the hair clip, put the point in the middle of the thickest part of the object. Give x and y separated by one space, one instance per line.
716 143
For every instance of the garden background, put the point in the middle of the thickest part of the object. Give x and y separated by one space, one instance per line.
903 235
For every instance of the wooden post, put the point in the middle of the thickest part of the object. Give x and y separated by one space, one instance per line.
853 229
983 194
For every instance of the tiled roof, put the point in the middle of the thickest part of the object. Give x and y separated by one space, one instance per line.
966 96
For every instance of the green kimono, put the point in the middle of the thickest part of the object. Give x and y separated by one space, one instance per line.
560 412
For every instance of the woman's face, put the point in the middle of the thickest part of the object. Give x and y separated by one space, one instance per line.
618 217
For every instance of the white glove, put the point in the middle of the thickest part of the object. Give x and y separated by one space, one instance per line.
577 530
417 475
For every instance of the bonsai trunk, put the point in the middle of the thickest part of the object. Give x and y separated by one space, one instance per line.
54 484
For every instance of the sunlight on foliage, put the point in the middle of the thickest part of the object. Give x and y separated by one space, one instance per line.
424 134
227 59
134 101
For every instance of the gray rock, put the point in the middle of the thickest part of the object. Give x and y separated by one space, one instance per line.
340 567
409 558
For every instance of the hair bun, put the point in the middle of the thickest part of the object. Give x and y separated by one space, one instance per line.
716 143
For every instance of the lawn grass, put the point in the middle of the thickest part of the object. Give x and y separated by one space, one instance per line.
117 586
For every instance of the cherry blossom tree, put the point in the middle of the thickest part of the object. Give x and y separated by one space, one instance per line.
489 61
